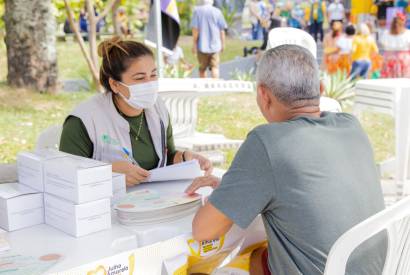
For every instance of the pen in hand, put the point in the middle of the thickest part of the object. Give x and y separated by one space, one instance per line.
129 156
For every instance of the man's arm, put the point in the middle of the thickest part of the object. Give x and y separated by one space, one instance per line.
222 40
209 223
249 179
195 36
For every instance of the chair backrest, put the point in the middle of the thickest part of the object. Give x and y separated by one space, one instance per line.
329 105
181 97
49 138
396 219
283 36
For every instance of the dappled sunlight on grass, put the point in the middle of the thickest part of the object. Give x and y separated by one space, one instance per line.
25 114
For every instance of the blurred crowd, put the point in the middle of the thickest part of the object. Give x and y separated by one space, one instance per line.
375 45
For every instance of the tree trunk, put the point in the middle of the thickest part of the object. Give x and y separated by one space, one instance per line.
92 32
31 44
92 56
115 23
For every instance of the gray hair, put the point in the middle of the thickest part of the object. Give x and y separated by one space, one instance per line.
291 73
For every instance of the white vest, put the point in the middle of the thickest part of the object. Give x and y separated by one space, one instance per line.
109 131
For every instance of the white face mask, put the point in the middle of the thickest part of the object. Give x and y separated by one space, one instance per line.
142 96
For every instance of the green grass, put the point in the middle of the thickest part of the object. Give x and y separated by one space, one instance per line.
24 114
22 120
71 63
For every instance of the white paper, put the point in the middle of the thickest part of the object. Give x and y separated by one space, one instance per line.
181 171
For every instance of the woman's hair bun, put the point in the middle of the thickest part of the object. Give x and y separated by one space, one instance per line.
106 46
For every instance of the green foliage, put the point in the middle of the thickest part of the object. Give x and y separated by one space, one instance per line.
185 9
244 76
2 7
177 71
228 14
339 86
60 12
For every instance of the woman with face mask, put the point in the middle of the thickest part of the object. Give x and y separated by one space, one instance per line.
128 125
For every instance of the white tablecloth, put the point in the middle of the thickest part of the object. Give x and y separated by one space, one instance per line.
43 239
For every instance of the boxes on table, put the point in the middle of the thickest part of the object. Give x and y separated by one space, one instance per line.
77 219
78 179
30 167
20 206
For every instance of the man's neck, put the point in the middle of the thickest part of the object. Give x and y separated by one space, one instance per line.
307 111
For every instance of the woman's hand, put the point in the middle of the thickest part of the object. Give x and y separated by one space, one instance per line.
204 163
133 174
211 181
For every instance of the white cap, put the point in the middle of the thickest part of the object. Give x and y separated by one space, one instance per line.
292 36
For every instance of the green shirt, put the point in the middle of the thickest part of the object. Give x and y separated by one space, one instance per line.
75 140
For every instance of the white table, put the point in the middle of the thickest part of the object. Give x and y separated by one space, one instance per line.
390 96
43 239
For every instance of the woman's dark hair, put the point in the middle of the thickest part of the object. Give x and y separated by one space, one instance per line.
397 26
350 30
117 55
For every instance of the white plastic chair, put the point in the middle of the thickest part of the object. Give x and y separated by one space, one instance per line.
396 219
328 104
283 36
49 138
181 97
392 97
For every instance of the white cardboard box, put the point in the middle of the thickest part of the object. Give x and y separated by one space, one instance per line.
77 219
30 167
20 206
78 179
119 188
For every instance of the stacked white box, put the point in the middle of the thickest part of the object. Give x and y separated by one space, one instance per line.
30 167
72 193
78 179
77 219
77 195
20 206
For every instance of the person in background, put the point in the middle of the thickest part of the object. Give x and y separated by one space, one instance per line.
344 45
122 21
275 21
258 14
67 27
382 6
83 22
316 14
336 12
294 19
177 60
330 49
363 48
311 176
402 4
208 31
128 125
396 45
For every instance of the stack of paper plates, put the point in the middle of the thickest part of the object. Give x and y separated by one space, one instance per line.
146 207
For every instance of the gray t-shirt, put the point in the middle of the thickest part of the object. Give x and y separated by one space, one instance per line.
311 179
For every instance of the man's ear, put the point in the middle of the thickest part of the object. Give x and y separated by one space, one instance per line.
322 87
265 95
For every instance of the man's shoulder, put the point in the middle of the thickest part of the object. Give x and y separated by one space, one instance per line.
329 119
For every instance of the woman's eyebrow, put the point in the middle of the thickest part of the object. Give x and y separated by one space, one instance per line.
139 74
154 70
